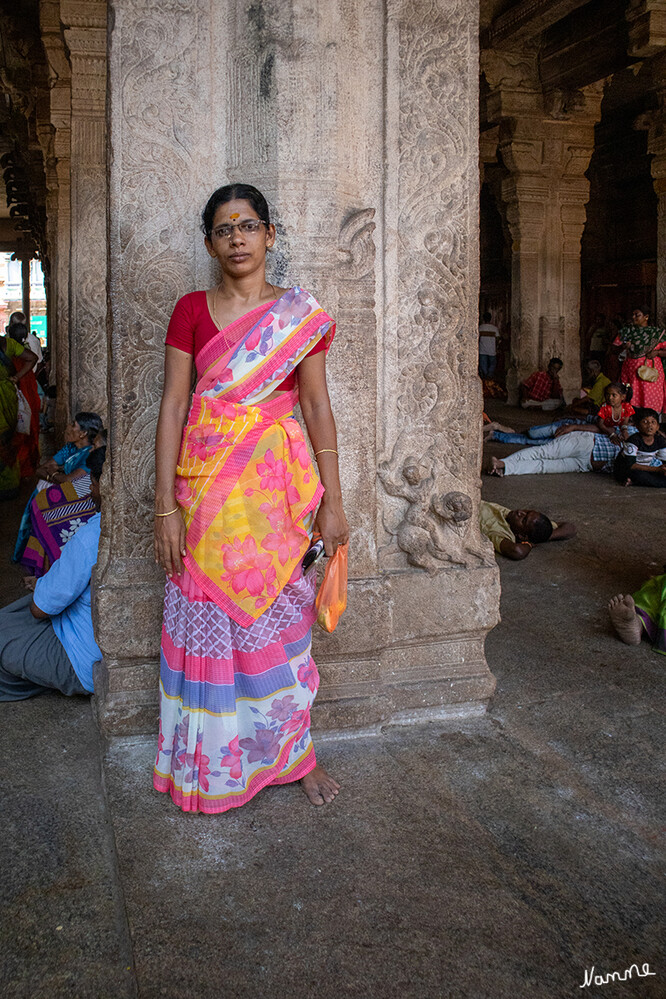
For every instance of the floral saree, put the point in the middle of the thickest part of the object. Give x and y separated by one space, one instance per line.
237 678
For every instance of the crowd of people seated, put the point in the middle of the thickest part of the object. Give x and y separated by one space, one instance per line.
46 638
613 426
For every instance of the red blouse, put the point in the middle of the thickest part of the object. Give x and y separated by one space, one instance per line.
191 327
606 414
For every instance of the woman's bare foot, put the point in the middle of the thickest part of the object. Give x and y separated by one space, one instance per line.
319 787
496 467
625 620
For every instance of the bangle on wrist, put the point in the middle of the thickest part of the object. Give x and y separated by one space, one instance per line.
168 513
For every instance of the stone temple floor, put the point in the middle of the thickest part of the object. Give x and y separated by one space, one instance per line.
498 858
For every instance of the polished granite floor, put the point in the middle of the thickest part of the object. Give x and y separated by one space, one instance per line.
498 858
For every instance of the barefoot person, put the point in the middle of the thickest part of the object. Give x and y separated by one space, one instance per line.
642 615
236 502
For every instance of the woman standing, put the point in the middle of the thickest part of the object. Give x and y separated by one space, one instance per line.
28 444
237 499
645 346
10 377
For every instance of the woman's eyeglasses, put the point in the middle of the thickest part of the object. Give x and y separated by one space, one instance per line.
250 227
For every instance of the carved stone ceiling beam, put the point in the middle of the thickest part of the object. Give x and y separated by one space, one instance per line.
525 20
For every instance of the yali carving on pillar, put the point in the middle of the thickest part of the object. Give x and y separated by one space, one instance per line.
432 531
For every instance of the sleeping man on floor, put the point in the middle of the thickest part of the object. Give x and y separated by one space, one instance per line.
514 532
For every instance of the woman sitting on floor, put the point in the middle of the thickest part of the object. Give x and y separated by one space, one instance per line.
61 501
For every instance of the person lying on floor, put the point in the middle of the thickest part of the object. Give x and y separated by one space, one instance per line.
642 461
47 640
542 432
514 532
571 452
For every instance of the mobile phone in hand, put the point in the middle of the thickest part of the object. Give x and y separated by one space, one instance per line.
313 554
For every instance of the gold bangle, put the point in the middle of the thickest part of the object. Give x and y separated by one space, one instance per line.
175 510
331 450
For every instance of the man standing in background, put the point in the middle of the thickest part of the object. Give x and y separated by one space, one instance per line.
488 337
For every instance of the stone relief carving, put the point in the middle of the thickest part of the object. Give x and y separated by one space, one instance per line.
437 394
157 120
433 528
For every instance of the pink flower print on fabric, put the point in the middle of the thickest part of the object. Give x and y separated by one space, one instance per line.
207 438
309 676
198 763
246 566
184 492
232 758
265 746
282 708
277 515
298 448
287 543
294 304
294 722
220 408
273 473
252 341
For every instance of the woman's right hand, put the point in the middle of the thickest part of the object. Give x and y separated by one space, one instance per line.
170 543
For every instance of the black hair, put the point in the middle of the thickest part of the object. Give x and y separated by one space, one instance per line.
104 434
540 529
487 316
13 322
641 412
233 192
555 360
593 360
95 462
641 308
18 331
625 390
91 423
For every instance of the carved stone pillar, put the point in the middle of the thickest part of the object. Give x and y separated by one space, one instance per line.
368 153
654 122
85 36
647 27
546 144
54 133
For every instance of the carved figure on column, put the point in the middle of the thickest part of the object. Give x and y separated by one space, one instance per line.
429 532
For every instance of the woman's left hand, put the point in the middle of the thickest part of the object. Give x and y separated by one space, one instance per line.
331 523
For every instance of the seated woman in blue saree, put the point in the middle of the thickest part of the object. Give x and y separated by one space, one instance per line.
61 501
237 500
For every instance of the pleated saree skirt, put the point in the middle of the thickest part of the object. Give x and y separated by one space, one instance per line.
234 702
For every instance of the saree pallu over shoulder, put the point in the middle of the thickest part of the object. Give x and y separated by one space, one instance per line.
245 480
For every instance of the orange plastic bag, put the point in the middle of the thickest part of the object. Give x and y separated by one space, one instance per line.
332 597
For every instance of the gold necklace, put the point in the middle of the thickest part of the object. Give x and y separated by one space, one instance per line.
217 325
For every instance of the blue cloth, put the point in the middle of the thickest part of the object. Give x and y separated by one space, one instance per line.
64 594
68 459
537 435
487 365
